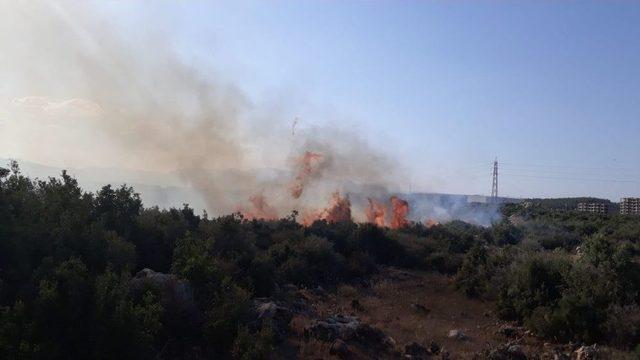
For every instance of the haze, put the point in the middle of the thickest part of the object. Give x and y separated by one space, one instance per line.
412 96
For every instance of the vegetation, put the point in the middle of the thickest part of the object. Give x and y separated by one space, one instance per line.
69 259
72 280
572 277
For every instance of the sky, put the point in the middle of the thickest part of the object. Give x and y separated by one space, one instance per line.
549 88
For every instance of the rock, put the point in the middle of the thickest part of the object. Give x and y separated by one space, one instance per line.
508 351
421 309
340 348
176 294
415 351
434 348
374 338
299 306
334 327
266 309
350 329
320 291
180 289
289 288
516 352
586 352
355 305
269 313
508 331
457 334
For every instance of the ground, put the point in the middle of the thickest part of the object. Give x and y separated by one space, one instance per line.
422 308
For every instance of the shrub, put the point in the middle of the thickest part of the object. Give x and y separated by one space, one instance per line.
227 311
258 346
443 262
382 248
474 274
622 327
311 262
531 282
505 233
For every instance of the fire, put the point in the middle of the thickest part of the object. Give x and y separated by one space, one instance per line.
306 166
339 210
400 210
260 209
429 223
376 212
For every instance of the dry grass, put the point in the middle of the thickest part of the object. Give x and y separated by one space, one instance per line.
347 291
412 307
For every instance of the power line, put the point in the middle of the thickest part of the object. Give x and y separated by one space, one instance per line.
567 172
571 178
566 166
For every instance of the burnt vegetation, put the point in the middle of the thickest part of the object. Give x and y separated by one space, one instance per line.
98 275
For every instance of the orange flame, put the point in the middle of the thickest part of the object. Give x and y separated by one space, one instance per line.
429 223
400 210
306 166
260 209
339 210
376 212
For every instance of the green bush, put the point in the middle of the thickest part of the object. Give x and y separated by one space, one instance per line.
383 249
258 346
505 233
475 273
67 258
532 281
311 261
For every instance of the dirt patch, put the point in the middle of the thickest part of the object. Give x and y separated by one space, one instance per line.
418 309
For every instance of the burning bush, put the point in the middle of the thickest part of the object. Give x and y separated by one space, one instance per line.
306 167
339 210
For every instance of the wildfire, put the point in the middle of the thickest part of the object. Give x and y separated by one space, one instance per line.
308 164
400 210
339 210
376 213
260 209
308 167
429 223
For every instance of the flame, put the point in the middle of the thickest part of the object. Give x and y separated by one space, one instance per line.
339 210
260 209
400 210
376 212
306 166
429 223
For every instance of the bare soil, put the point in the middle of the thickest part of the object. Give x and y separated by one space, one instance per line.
420 307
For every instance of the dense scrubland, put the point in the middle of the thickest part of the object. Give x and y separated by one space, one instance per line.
73 281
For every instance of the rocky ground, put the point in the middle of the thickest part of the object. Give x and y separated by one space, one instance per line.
400 314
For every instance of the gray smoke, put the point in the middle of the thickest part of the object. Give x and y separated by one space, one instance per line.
446 207
74 93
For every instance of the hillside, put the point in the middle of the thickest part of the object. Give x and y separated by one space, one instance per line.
98 275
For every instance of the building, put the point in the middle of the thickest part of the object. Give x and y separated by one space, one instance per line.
630 206
481 199
594 207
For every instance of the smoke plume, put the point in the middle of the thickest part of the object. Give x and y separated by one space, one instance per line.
76 92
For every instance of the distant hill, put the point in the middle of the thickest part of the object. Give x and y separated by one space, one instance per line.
571 203
166 190
156 189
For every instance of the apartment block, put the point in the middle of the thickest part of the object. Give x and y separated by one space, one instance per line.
593 207
630 206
